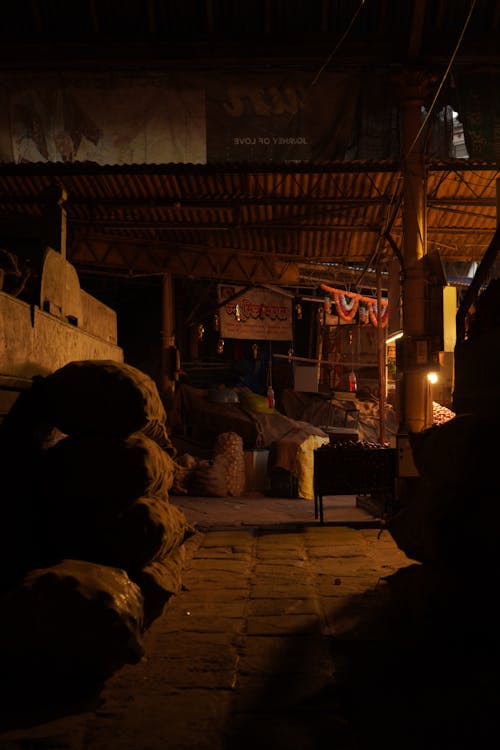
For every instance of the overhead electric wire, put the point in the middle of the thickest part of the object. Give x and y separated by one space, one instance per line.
445 76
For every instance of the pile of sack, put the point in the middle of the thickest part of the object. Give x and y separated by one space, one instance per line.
222 475
92 548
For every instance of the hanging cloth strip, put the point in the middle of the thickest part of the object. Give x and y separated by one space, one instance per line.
347 303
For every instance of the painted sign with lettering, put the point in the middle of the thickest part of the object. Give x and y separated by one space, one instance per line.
254 313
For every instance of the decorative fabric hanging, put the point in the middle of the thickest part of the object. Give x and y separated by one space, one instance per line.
347 304
384 314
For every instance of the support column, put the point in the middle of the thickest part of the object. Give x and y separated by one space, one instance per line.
168 349
414 401
381 359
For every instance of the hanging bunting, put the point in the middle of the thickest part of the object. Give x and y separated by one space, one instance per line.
348 303
384 314
346 306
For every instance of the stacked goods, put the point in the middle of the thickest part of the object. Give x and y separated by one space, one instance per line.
101 500
223 474
440 413
184 466
230 446
103 397
73 618
209 478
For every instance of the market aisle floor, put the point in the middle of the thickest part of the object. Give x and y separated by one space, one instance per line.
283 637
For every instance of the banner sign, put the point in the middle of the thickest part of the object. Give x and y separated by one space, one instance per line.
281 118
101 120
195 118
255 313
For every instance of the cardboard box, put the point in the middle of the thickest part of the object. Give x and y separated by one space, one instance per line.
257 477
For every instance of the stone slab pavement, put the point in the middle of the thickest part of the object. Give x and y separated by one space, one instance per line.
249 652
289 635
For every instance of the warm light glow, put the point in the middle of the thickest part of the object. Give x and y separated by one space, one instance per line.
432 377
394 337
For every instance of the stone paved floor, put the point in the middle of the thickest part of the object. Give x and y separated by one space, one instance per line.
279 639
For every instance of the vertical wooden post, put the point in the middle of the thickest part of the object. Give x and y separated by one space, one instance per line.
381 357
414 382
167 336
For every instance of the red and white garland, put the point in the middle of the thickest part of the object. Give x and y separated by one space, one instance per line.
346 307
347 303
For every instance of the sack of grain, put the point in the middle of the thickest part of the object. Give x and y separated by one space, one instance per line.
101 397
209 478
104 471
229 445
71 620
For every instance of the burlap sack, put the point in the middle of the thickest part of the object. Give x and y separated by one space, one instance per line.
145 531
209 478
105 470
71 620
101 397
229 445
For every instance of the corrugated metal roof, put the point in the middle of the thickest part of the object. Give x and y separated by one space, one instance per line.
220 218
308 214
